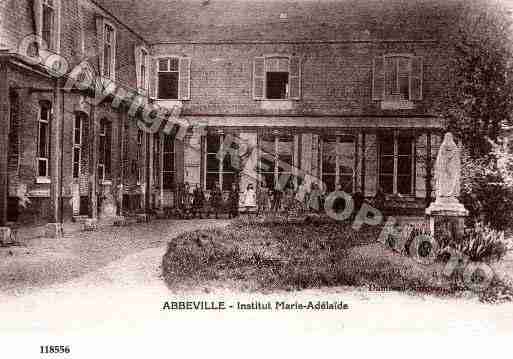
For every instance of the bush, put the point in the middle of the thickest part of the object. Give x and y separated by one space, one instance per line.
481 243
487 190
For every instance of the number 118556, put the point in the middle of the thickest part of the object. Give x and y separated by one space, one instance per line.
55 349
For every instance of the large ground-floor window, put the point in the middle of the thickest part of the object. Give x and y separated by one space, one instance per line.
218 162
168 162
276 161
337 162
397 164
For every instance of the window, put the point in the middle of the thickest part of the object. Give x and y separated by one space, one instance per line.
144 69
168 169
276 159
105 148
277 78
140 159
173 78
43 143
397 78
14 114
78 128
156 158
397 164
142 66
337 162
109 51
218 170
48 23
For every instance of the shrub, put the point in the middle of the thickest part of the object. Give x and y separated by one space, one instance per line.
487 190
481 243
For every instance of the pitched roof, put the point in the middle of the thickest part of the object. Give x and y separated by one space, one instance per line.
285 20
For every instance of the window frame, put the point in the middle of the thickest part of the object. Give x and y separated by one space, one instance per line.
113 46
49 108
78 146
177 71
338 174
395 176
143 70
55 34
157 150
221 168
140 156
276 159
162 170
107 149
266 79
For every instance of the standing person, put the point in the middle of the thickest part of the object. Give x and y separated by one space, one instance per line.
314 202
262 199
198 200
234 201
250 199
216 198
301 197
277 196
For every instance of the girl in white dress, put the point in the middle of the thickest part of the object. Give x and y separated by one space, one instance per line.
250 199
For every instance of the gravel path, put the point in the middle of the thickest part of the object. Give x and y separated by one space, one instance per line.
44 262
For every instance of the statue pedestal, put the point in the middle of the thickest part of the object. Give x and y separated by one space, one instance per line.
447 212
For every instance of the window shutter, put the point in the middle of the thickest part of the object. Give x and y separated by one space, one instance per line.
137 56
38 16
295 78
416 78
378 78
153 77
184 84
258 78
99 40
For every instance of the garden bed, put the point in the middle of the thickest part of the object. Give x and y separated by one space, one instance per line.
272 255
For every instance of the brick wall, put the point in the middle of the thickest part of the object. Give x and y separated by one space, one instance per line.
78 42
336 78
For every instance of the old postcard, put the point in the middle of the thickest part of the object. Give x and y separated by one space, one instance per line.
195 173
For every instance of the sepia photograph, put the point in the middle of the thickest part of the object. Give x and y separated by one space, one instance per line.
205 173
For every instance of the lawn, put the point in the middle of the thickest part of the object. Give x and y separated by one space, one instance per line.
270 256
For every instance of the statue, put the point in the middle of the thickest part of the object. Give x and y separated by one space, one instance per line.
447 187
448 169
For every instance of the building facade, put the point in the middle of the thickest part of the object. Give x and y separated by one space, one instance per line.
297 100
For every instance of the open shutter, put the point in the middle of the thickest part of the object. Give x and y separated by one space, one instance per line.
378 78
184 85
99 42
137 57
258 78
295 78
416 78
153 77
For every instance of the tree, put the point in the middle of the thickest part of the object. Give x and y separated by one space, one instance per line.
478 100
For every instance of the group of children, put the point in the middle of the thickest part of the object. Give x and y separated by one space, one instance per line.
193 203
